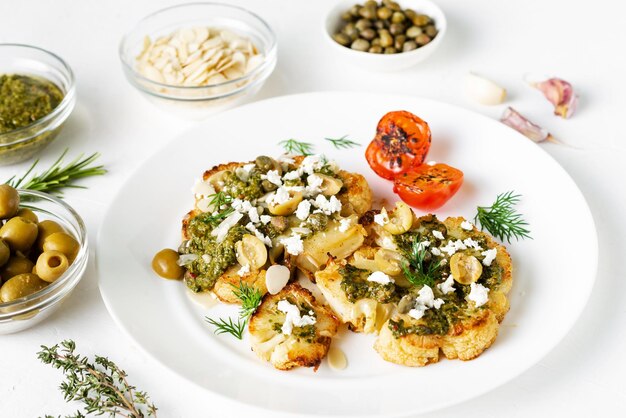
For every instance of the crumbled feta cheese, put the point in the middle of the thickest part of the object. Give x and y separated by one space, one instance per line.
470 243
292 175
202 189
388 244
435 251
453 246
243 270
310 163
285 158
422 245
490 255
380 278
280 196
293 317
327 206
253 214
206 258
344 224
293 244
467 225
479 294
265 219
426 297
302 212
447 286
381 218
438 235
314 181
273 177
417 313
244 172
222 229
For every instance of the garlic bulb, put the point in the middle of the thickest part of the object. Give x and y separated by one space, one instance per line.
483 91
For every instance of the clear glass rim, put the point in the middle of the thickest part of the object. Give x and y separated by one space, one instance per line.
267 61
67 102
69 278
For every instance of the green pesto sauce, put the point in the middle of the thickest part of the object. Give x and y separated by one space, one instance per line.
25 99
237 188
355 285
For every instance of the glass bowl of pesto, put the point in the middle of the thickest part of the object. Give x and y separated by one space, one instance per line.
182 95
37 94
26 311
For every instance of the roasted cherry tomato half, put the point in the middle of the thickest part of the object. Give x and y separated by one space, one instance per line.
428 187
402 141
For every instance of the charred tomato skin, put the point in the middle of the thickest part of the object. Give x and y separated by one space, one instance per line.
428 187
402 141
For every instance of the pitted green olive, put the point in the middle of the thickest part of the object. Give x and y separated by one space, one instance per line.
20 286
9 201
27 214
62 242
19 233
51 265
16 265
45 229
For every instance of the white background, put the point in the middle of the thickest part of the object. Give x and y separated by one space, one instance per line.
578 41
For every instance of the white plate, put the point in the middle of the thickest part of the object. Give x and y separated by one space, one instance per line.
553 277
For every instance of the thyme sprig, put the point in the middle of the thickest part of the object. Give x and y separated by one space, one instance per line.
416 269
58 177
101 385
343 142
501 218
292 146
250 298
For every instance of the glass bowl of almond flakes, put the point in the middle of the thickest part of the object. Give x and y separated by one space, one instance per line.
200 58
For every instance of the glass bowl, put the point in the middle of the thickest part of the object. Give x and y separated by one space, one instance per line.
197 102
23 143
25 312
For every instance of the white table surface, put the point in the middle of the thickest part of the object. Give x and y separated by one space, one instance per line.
575 40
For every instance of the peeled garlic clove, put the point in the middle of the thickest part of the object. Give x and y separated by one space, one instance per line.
560 93
513 119
276 277
483 91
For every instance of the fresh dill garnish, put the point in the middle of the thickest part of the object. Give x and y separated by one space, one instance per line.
250 298
343 142
100 385
218 202
416 269
58 177
223 326
501 218
292 146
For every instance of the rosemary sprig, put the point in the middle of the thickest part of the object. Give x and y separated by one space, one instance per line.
58 177
343 142
292 146
416 269
501 218
250 298
101 385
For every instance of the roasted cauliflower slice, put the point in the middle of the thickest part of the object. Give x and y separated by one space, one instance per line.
230 281
291 329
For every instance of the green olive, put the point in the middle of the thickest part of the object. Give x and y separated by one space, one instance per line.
21 285
9 201
165 265
268 186
62 242
360 45
5 252
46 228
19 233
27 214
16 265
51 265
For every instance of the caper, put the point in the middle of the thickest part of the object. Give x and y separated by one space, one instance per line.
5 252
413 31
397 17
17 264
19 233
280 223
360 45
264 163
9 201
384 13
268 186
350 31
165 264
62 242
27 214
370 3
368 12
342 39
409 46
410 14
396 28
380 24
431 31
393 6
347 16
45 229
20 286
390 50
421 20
423 39
354 10
376 49
368 34
399 41
317 221
375 42
362 24
385 39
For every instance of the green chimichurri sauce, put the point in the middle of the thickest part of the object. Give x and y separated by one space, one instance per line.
25 99
355 285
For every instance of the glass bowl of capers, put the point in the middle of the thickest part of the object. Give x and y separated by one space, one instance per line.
43 255
385 35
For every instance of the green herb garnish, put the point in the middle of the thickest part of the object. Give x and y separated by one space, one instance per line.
101 385
292 146
250 298
416 269
501 219
218 200
343 142
222 326
57 176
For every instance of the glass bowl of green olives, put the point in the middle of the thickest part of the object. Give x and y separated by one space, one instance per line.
43 255
385 35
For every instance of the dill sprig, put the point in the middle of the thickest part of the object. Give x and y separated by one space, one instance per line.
416 269
250 298
292 146
217 203
101 385
343 142
501 218
58 177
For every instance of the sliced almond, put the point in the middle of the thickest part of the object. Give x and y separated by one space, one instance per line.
276 278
